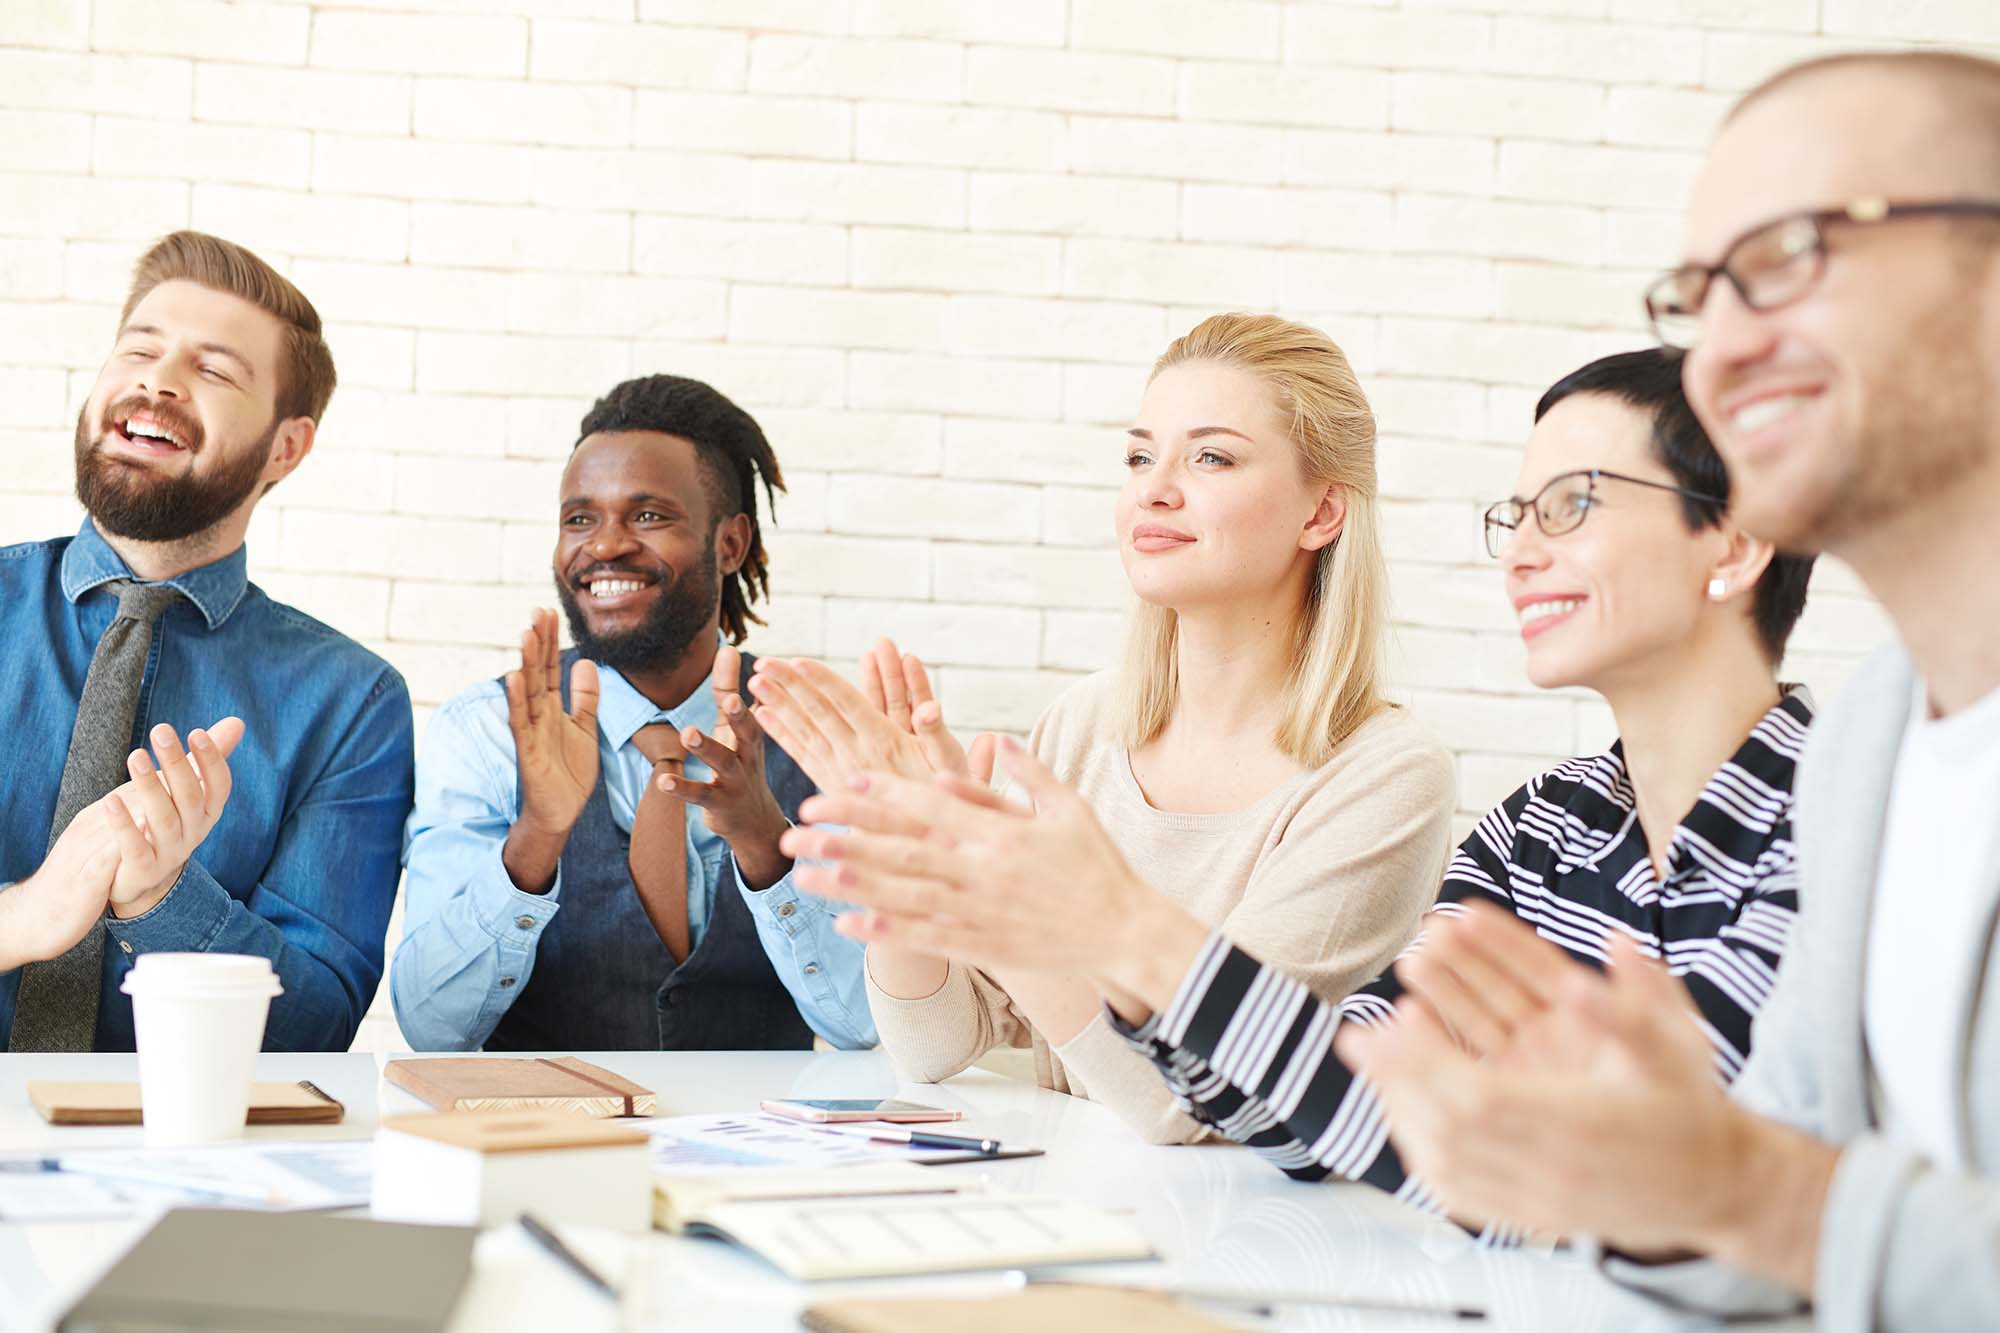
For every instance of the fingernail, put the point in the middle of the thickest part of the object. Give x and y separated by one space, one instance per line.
666 784
694 743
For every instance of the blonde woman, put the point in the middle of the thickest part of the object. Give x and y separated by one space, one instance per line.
1242 757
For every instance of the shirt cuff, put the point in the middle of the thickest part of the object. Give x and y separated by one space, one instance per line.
779 904
510 916
188 918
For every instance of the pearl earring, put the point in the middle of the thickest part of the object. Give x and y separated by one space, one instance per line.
1717 590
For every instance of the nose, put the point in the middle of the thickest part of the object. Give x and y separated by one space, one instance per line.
1526 550
1732 336
1159 487
610 541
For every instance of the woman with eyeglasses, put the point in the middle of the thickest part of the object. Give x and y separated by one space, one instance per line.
1628 579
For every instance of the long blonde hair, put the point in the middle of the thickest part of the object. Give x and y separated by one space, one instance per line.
1335 683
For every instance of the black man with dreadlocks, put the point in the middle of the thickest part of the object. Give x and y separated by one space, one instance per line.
593 860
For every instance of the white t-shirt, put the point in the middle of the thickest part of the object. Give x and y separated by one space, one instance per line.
1931 904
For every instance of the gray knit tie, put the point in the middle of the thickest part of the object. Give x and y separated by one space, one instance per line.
56 1006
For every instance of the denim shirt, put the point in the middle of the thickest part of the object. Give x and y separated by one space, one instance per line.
301 867
469 935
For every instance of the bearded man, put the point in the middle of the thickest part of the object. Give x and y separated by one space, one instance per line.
593 860
299 763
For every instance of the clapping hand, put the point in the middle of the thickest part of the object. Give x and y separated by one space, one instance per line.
166 810
900 688
736 802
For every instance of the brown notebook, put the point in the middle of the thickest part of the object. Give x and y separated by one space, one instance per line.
1049 1308
487 1084
118 1103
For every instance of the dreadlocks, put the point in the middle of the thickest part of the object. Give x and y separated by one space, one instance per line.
734 456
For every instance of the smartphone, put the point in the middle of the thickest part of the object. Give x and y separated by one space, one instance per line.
836 1110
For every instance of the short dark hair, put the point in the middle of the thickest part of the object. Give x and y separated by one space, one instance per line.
734 458
1650 380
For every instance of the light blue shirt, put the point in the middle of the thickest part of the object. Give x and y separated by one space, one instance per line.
469 934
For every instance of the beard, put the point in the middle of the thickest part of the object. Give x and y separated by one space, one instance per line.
683 609
126 499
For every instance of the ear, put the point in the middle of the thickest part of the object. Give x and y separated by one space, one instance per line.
732 542
1744 560
290 444
1329 516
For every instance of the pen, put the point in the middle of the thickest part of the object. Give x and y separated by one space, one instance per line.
539 1233
1267 1304
917 1138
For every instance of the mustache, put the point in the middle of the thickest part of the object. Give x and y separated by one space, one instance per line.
183 423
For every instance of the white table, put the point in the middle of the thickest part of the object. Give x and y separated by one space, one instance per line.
1216 1215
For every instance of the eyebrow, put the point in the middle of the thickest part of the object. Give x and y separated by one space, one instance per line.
220 349
643 498
1198 433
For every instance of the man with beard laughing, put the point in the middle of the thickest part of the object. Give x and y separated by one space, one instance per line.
593 860
146 619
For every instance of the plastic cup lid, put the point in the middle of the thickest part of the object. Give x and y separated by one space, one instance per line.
206 972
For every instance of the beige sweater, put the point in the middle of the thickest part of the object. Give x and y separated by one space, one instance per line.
1325 877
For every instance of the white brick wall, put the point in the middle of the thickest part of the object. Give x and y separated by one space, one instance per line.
932 244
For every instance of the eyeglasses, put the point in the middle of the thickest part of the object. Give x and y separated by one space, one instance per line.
1777 263
1564 502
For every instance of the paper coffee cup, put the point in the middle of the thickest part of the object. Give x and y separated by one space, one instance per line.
199 1020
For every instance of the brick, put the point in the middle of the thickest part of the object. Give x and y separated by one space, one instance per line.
1419 659
302 99
1647 240
435 674
1522 354
1078 516
646 179
1069 81
490 615
1388 161
990 137
403 294
485 490
794 626
1175 150
1397 284
941 635
1257 215
1570 8
1584 297
429 44
44 141
30 270
32 398
294 222
615 306
977 700
93 81
85 208
54 333
1798 15
756 377
836 318
753 124
1452 409
1029 576
1082 640
1017 23
1663 117
514 237
1413 469
1833 622
1071 330
391 545
1563 49
824 192
638 55
852 441
40 462
1226 277
1485 780
494 363
761 15
1105 395
824 563
540 427
1432 532
402 168
1073 205
883 67
1450 597
1933 20
925 507
936 383
1496 723
509 111
804 503
46 23
1444 224
777 252
143 148
1231 29
407 423
526 549
1389 38
598 9
1733 61
951 262
267 34
1285 95
1469 104
1608 177
1034 453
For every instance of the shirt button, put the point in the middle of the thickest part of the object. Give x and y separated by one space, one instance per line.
525 922
505 982
787 909
126 945
812 969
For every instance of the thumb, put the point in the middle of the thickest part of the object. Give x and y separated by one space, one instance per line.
1048 792
980 760
1649 999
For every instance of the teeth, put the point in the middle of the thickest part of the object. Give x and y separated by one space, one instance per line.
147 430
1765 411
614 587
1542 610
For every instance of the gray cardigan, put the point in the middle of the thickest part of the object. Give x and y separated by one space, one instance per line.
1904 1245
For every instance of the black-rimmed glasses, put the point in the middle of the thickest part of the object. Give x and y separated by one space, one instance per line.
1563 503
1778 262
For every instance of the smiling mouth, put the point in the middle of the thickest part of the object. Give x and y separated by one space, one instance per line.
1538 616
148 434
605 589
1767 411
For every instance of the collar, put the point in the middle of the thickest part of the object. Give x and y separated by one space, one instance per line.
622 710
216 589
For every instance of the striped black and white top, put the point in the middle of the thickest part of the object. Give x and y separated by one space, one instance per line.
1250 1051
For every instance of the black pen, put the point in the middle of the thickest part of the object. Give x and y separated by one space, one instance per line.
548 1240
917 1138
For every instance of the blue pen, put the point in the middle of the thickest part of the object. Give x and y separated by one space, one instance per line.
30 1165
916 1138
